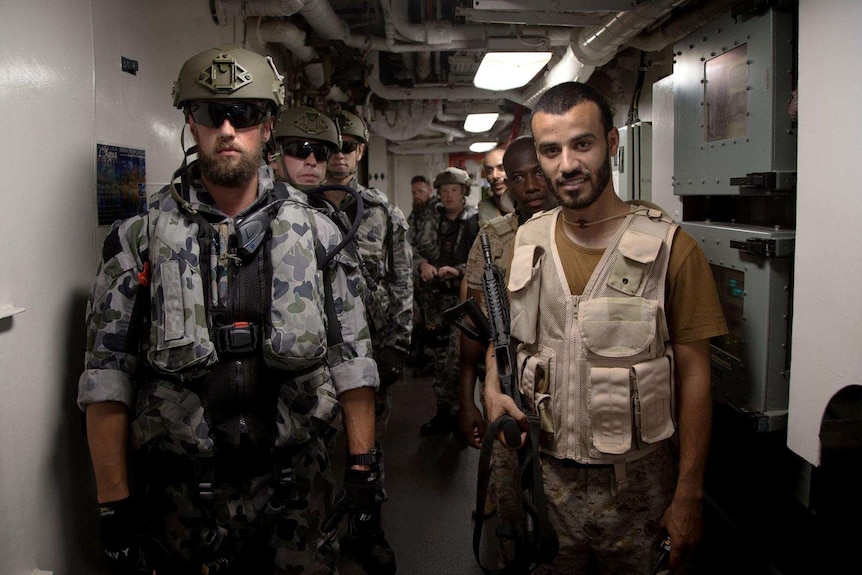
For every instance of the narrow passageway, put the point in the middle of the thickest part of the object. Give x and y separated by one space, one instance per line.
431 484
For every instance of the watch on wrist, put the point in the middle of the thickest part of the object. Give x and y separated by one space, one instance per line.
368 458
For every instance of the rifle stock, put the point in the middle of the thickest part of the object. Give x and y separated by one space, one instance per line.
498 328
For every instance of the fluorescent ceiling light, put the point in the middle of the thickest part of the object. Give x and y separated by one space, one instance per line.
478 123
508 70
482 146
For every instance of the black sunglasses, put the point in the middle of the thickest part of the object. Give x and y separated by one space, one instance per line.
302 149
349 147
213 115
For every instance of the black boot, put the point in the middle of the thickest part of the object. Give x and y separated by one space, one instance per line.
443 422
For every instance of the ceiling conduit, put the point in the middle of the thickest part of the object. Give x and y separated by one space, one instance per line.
596 46
285 32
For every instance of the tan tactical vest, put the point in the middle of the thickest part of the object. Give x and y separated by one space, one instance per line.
597 367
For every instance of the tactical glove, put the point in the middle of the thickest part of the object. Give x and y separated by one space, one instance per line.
117 526
365 539
390 365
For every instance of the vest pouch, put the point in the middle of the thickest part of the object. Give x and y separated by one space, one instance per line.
617 327
654 404
180 340
637 252
611 409
306 404
171 418
539 366
525 283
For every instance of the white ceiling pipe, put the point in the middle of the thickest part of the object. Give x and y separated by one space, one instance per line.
438 32
568 69
597 46
284 32
449 131
230 8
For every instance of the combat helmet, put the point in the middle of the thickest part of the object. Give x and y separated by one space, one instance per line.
229 72
453 176
351 124
303 122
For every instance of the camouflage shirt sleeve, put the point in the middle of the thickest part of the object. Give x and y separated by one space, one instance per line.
350 359
400 286
111 354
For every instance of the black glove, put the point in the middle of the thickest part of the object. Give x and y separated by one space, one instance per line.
390 365
117 526
365 539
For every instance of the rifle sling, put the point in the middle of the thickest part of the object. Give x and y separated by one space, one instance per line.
533 550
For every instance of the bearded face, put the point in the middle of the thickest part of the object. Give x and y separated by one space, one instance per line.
229 162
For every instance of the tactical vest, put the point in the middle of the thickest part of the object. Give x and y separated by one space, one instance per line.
241 355
597 367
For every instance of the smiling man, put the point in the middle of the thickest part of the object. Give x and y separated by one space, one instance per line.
612 308
499 202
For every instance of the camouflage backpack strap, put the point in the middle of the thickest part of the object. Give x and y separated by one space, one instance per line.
333 326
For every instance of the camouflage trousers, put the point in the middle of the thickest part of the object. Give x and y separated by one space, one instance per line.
445 380
382 410
600 532
266 531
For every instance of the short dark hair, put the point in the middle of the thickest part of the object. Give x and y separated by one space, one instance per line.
417 179
563 97
517 146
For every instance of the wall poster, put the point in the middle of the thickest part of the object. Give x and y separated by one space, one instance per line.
121 177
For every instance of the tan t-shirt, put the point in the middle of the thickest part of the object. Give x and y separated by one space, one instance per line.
693 310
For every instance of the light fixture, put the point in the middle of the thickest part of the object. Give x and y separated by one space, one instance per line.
478 123
508 70
479 147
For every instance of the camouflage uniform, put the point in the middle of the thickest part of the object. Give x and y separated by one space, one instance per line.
195 402
382 243
414 222
438 295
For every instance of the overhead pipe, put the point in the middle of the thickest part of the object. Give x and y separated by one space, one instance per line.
293 38
596 46
691 19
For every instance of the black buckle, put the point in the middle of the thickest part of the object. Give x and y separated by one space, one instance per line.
240 337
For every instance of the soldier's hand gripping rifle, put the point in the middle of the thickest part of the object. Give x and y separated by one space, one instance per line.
539 543
498 331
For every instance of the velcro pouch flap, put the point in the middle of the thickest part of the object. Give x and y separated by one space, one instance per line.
525 283
617 327
640 247
654 386
611 409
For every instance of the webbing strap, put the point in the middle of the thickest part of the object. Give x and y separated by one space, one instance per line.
539 542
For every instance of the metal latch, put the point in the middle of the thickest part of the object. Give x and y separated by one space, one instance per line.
766 181
768 248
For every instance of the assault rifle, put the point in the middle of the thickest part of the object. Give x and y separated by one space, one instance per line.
539 543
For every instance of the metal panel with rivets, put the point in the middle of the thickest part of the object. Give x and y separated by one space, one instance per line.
732 84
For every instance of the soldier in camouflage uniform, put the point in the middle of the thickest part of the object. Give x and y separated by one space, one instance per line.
226 338
527 186
423 205
297 129
441 245
381 240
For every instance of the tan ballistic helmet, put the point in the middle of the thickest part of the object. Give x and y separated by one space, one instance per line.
302 122
351 124
229 73
453 176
